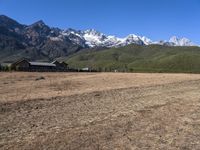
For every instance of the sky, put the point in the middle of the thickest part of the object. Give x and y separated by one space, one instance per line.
156 19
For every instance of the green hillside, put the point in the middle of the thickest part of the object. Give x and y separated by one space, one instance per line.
135 58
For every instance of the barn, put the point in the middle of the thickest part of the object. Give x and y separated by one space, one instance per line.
25 65
22 64
61 66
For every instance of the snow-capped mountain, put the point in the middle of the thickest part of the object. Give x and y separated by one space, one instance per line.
92 38
181 41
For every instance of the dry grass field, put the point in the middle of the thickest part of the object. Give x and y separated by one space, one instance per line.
90 111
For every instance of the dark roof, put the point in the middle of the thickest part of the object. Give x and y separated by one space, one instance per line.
20 60
42 64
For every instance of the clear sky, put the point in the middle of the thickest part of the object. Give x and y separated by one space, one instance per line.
156 19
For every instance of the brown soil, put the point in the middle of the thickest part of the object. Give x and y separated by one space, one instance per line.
99 111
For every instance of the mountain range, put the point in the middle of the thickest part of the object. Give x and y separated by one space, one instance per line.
93 38
38 41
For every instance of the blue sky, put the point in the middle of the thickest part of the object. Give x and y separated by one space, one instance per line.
156 19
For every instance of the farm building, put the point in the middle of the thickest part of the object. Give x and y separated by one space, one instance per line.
25 65
62 66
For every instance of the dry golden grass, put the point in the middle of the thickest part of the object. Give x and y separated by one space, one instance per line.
23 86
99 111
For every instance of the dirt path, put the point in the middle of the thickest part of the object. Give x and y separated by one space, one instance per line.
154 116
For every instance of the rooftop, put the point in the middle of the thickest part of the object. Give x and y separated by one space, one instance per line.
42 64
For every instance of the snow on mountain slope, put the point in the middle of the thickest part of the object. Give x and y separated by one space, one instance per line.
181 41
146 40
93 38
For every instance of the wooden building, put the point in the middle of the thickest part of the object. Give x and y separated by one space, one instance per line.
20 65
62 66
25 65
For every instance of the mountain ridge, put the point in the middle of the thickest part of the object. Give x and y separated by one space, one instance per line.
38 41
95 38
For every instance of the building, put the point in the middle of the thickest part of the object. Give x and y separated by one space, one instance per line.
41 66
62 66
25 65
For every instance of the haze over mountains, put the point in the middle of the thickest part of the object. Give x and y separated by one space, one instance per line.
41 42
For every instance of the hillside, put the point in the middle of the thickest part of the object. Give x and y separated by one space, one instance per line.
135 58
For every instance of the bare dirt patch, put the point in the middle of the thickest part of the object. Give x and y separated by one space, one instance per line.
99 111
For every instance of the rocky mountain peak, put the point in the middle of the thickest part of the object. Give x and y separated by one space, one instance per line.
39 24
9 23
